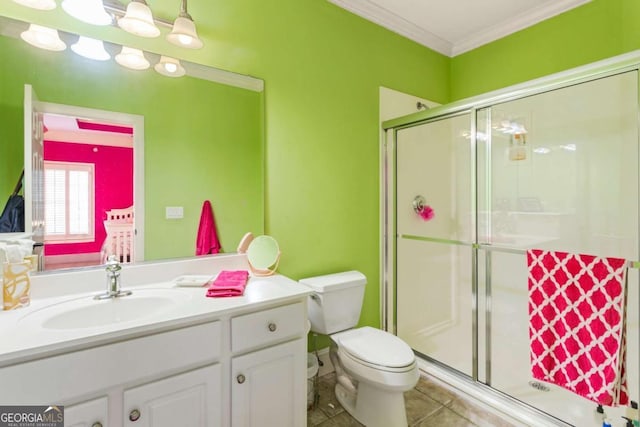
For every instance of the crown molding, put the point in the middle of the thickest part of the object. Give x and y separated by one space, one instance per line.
515 24
381 16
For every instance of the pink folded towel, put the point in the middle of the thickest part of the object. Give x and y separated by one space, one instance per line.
228 284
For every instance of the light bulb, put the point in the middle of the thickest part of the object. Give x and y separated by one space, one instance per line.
184 39
90 48
138 20
132 58
43 37
184 33
89 11
170 67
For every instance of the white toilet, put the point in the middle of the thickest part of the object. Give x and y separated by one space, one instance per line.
373 367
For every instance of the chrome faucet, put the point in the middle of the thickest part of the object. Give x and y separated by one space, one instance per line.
113 268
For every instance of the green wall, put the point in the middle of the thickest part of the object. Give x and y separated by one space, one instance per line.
597 30
203 140
322 67
323 71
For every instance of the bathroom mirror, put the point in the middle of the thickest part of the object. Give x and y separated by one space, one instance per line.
203 139
263 255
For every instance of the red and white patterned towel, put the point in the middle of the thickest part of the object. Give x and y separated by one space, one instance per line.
577 323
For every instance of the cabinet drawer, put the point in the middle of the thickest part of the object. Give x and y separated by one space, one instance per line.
266 327
73 375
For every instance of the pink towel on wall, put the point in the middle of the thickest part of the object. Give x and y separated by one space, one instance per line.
228 284
207 240
577 323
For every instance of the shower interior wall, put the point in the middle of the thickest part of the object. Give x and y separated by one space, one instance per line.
574 187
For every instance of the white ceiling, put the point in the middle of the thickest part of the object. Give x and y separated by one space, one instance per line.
65 129
452 27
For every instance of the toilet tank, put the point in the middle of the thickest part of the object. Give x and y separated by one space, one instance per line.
336 301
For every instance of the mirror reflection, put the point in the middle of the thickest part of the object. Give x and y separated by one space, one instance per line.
89 206
199 140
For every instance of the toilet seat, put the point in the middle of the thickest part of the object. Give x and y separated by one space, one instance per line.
376 349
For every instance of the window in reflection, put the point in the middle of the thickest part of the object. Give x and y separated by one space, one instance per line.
69 201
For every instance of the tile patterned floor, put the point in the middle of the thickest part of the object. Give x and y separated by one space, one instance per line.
428 405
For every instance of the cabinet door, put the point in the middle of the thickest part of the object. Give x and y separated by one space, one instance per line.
268 387
93 413
191 399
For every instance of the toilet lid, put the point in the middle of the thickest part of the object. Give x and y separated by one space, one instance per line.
376 347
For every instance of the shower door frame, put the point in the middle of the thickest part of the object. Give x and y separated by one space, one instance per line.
388 253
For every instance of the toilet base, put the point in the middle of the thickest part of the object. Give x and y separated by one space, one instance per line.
372 406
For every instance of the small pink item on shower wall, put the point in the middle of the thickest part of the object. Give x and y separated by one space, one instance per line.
427 213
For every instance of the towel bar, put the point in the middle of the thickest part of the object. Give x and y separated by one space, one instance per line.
630 264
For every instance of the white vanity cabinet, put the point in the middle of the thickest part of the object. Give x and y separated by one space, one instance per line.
240 366
269 372
192 399
93 413
265 388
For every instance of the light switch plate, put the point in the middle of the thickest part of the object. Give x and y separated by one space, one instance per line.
174 212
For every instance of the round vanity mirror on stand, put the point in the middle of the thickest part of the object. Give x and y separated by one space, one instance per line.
263 255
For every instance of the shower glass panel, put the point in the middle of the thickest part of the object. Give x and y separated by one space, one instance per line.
434 286
435 319
557 171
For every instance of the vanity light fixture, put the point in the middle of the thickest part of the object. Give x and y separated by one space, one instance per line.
43 37
184 32
170 67
89 11
38 4
90 48
132 58
138 20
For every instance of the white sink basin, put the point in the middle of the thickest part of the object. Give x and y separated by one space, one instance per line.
86 312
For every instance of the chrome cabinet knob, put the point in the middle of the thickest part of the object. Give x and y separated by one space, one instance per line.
273 327
240 378
134 415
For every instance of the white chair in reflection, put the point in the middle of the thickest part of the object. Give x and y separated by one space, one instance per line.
120 235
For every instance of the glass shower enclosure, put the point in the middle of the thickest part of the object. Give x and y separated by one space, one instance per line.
552 165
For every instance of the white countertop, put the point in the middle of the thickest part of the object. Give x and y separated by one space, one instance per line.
23 338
